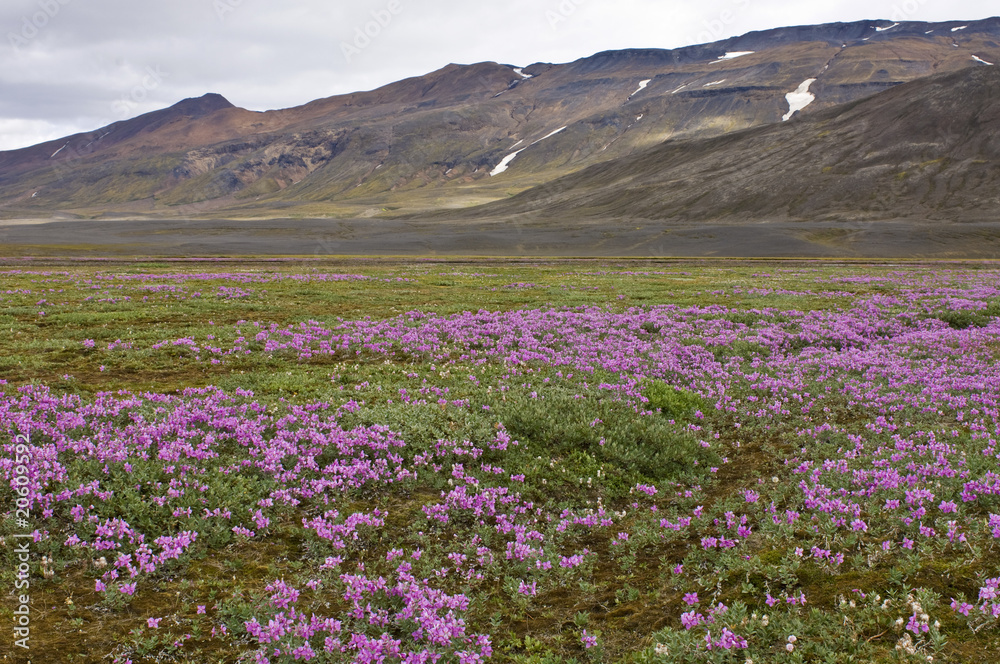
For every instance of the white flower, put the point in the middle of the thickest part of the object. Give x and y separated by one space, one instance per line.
906 644
789 647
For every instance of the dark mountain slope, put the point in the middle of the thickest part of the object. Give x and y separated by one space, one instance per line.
929 149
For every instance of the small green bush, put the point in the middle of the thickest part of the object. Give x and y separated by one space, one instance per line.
740 348
961 319
632 447
674 402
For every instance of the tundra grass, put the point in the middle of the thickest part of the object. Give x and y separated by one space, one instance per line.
668 493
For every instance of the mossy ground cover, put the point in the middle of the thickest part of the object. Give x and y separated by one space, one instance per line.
516 461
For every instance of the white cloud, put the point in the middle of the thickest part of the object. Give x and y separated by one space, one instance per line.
18 133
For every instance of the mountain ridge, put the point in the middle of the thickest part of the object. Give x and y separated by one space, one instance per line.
432 141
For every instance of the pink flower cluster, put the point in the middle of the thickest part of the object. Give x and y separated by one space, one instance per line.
400 603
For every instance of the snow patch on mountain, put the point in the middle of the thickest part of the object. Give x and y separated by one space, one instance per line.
549 135
799 99
505 162
730 55
979 59
520 72
642 86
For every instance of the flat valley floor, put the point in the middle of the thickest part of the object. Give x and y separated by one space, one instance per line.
331 237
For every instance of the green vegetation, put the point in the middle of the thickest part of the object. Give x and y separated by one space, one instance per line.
636 448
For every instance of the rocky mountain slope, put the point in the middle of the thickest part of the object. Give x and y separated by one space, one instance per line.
928 149
470 134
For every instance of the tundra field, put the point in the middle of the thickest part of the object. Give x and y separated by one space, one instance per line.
506 461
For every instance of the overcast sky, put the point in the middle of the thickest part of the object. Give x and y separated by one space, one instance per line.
76 65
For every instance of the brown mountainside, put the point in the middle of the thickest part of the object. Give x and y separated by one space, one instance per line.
432 141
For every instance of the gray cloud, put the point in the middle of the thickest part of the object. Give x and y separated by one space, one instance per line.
74 65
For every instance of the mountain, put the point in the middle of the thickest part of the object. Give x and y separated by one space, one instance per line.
928 150
466 135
